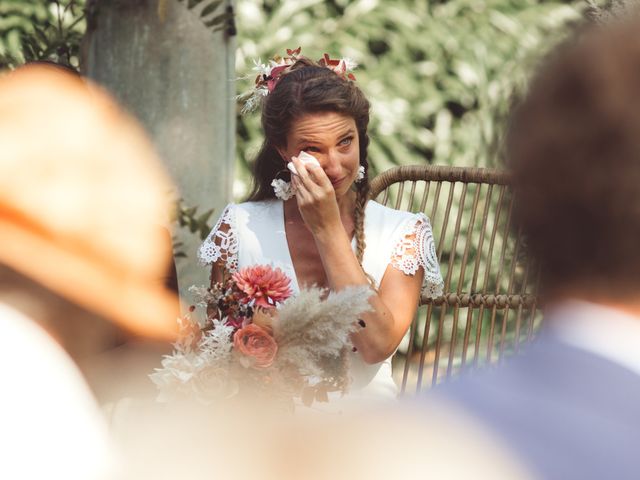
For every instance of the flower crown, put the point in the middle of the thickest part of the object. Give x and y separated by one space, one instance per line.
269 75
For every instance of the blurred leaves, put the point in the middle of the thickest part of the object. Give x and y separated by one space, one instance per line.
196 223
440 75
41 30
52 30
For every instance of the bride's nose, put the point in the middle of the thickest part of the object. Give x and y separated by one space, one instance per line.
331 164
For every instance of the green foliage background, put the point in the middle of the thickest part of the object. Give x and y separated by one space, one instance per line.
41 30
440 75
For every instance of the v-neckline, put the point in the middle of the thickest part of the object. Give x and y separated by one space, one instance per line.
294 280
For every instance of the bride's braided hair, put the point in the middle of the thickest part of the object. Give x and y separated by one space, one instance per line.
307 87
362 189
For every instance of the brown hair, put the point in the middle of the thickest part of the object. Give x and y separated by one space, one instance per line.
310 88
574 150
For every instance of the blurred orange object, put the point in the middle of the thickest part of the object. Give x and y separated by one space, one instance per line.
82 194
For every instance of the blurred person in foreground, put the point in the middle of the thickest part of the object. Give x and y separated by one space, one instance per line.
81 197
569 407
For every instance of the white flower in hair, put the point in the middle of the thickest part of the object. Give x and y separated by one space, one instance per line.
350 64
261 69
282 189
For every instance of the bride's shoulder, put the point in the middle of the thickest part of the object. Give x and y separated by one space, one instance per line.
378 214
408 240
235 222
257 206
247 209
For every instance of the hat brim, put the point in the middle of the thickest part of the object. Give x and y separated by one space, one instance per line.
141 305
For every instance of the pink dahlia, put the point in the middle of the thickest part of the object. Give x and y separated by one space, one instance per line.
264 284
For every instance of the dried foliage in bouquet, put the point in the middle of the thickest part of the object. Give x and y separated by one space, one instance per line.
256 339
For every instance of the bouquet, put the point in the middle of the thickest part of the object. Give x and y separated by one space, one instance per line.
256 339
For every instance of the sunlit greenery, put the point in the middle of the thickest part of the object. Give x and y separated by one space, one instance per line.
41 30
439 74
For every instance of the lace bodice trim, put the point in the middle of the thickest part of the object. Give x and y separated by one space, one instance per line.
221 245
416 249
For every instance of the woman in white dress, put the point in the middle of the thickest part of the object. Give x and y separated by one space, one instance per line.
328 233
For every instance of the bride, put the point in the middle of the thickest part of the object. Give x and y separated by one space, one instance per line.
314 219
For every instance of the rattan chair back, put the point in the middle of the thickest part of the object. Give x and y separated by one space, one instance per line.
489 304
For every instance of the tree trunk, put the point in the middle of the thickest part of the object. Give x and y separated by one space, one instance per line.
176 75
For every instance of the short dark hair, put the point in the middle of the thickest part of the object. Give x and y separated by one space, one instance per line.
573 147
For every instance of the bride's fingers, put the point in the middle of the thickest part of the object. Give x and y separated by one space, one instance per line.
318 176
299 189
303 172
294 184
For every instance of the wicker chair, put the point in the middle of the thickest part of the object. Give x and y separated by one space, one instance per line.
489 304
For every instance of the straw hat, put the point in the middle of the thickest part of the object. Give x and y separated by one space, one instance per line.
82 195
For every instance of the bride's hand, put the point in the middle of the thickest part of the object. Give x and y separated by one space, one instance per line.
316 197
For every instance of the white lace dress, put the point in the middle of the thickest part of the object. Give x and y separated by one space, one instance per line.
253 233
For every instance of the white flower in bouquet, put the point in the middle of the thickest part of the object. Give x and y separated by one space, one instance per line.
182 372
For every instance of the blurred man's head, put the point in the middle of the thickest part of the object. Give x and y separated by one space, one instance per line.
574 149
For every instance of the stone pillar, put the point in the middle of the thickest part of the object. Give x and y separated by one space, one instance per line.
172 71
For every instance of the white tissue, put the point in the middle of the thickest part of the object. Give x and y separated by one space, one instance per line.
306 159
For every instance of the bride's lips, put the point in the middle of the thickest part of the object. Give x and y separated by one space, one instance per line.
336 182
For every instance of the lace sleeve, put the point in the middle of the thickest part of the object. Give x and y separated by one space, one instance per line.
416 249
221 245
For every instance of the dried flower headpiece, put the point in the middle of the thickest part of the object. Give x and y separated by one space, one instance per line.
269 74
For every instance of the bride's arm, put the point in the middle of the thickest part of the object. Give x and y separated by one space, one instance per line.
394 304
218 274
212 252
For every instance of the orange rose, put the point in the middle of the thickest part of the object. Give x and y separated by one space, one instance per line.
255 342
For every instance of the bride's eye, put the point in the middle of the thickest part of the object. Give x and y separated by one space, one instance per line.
346 141
310 149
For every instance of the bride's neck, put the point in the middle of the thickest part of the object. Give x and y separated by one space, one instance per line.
347 204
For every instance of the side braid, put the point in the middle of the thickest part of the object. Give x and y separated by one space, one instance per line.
362 188
358 216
